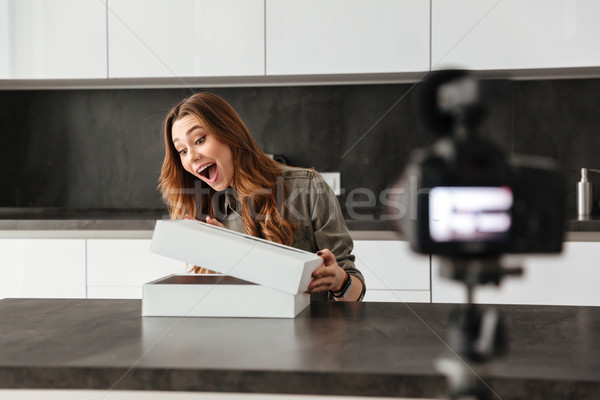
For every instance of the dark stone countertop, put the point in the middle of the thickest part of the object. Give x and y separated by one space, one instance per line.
133 224
32 222
48 218
32 218
364 349
584 224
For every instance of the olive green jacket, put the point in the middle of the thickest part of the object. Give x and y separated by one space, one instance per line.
311 206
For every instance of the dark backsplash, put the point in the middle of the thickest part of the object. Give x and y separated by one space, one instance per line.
102 149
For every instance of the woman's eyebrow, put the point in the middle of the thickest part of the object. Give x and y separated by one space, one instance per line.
191 129
188 132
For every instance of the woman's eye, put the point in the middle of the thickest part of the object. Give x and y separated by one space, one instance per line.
201 140
182 152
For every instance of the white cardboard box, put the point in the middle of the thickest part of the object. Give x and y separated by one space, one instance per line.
231 253
218 296
261 278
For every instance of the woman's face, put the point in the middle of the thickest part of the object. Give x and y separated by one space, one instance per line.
202 154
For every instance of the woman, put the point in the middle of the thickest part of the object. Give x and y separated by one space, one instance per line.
213 170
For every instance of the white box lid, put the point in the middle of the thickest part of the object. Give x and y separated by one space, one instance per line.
232 253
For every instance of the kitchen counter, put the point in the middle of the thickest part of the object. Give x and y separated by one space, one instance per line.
72 219
143 228
364 349
71 223
132 224
584 224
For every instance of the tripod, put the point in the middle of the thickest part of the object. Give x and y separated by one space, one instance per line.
477 334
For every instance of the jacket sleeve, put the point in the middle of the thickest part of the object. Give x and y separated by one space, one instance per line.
329 228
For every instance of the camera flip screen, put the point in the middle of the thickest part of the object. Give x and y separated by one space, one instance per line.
459 214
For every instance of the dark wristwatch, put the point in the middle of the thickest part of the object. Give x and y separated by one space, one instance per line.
344 289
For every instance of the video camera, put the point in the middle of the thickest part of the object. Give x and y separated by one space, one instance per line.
469 203
465 196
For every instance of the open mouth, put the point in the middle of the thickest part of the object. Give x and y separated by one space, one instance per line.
209 172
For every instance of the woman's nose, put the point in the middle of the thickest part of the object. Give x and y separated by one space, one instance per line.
194 155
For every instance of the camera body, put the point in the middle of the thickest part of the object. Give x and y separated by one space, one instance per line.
465 197
468 200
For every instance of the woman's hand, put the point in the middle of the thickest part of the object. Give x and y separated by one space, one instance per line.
329 276
209 220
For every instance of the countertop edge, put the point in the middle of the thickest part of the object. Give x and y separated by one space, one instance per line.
290 382
75 234
275 382
147 234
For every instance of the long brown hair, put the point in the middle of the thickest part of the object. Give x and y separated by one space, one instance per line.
255 178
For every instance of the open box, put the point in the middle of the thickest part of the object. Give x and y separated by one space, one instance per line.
218 296
276 276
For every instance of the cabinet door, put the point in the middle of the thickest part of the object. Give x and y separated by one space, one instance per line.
185 38
42 268
514 34
567 279
392 271
117 268
398 296
346 36
56 39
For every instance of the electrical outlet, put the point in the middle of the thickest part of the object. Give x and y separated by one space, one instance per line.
333 179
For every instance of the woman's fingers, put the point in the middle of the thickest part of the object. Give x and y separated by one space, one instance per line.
324 277
321 284
209 220
319 278
327 256
213 221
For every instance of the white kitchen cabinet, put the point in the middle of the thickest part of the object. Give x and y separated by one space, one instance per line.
117 268
42 268
392 271
570 278
56 39
514 34
305 37
398 296
185 38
